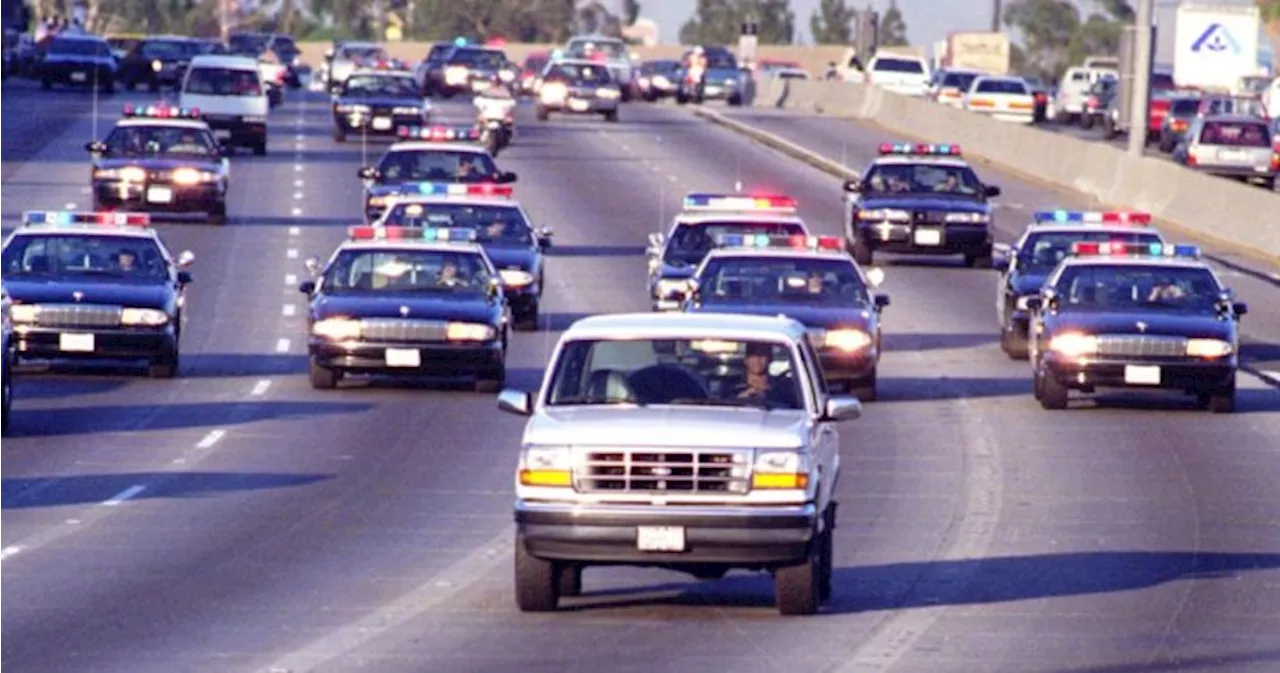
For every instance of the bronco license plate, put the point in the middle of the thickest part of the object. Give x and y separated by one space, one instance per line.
660 538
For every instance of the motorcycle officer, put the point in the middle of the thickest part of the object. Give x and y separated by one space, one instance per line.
495 107
698 72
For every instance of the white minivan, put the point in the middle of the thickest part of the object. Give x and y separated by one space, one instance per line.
230 95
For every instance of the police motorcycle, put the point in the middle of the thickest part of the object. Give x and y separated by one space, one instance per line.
495 108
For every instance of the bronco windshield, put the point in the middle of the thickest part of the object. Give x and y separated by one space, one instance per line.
702 372
691 242
86 258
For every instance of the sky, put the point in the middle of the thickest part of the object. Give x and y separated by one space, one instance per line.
927 20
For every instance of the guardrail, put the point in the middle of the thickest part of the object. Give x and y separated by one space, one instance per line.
1227 212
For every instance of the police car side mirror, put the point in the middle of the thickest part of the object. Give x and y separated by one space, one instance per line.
312 265
544 237
841 408
95 147
185 259
307 287
1000 263
881 300
991 190
367 173
1035 303
656 239
853 186
516 402
184 278
507 177
1239 308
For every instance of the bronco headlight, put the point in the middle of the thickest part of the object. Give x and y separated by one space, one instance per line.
1208 348
1074 345
786 470
884 214
546 466
967 218
515 277
338 329
466 331
847 340
143 317
24 313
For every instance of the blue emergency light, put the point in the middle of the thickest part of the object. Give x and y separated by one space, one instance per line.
438 133
771 203
1113 217
66 218
1118 249
160 112
920 149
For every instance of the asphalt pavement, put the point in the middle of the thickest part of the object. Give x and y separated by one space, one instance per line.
234 519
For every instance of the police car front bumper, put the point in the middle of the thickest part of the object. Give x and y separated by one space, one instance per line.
442 359
933 239
381 125
1185 374
33 342
158 197
582 105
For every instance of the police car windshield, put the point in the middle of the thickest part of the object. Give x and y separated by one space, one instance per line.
690 242
169 49
407 271
923 178
223 82
73 47
1138 287
436 166
382 86
478 58
494 224
765 280
1040 253
703 372
609 49
160 141
85 258
582 73
363 53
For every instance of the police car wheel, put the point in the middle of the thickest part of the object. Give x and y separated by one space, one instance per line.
218 214
339 136
527 321
978 261
537 581
864 389
1222 401
491 381
322 378
260 147
164 366
862 253
1053 395
543 114
1013 344
611 116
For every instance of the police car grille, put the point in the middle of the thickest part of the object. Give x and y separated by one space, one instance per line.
78 315
1135 345
382 110
929 216
664 471
402 330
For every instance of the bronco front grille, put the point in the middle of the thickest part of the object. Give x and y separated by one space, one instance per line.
665 470
402 330
1136 345
78 315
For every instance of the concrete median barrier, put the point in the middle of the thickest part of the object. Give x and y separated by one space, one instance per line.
1223 211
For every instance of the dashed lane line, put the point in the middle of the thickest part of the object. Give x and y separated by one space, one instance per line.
9 551
296 212
124 495
295 231
291 253
290 279
282 346
260 388
288 310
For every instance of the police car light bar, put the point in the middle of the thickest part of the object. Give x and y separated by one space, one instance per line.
438 234
920 149
439 133
779 242
161 112
1101 249
739 203
483 189
66 218
1123 217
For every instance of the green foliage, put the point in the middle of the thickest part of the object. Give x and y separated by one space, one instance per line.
832 22
720 21
893 28
630 12
1047 28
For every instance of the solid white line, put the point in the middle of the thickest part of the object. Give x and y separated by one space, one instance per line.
211 439
9 551
296 212
260 388
282 346
295 231
288 310
290 279
297 195
291 253
123 495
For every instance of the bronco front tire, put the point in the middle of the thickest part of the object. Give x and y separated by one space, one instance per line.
537 586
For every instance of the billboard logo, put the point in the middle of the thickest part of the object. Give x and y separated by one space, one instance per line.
1216 39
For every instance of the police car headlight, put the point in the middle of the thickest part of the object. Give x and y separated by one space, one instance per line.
143 317
884 214
552 92
785 470
546 466
191 176
466 331
455 74
847 340
662 81
157 66
1208 348
24 313
1074 345
407 110
967 218
515 277
338 329
129 174
669 286
605 92
507 76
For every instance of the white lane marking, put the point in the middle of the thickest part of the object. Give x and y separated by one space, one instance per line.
297 168
626 147
299 137
655 168
288 310
298 182
671 178
291 253
282 346
72 522
260 388
297 196
123 495
10 551
296 212
69 206
291 279
295 231
210 439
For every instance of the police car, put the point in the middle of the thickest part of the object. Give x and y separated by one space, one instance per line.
1137 316
674 258
920 199
378 102
6 359
95 286
161 159
429 154
1025 266
810 279
502 228
407 301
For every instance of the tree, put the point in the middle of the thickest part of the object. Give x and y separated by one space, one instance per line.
1046 28
720 21
630 12
1098 35
1118 10
832 22
893 28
